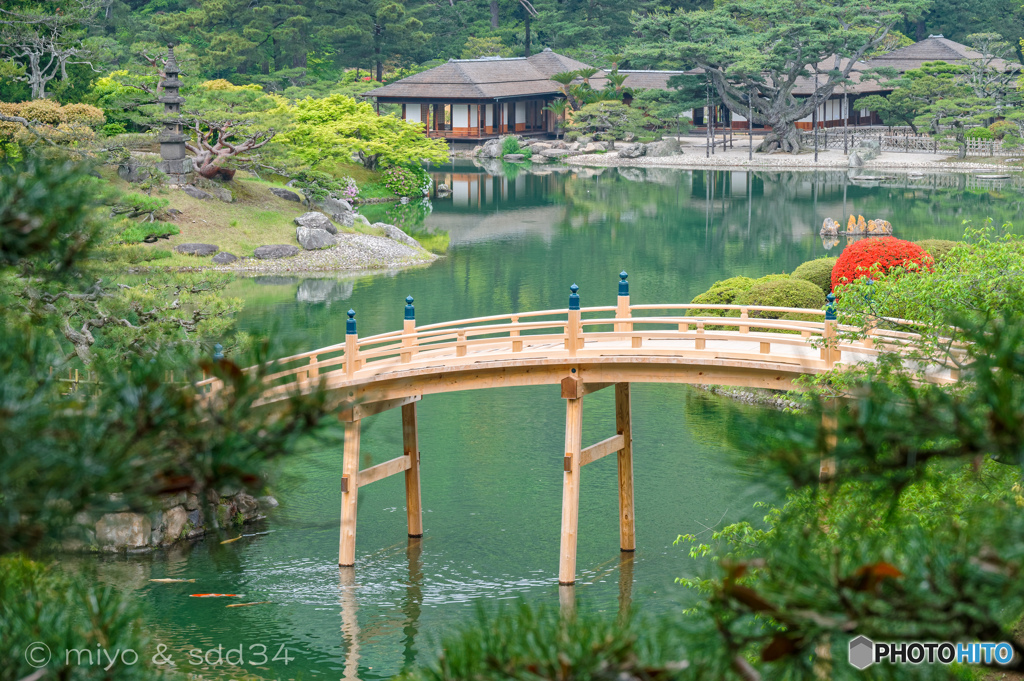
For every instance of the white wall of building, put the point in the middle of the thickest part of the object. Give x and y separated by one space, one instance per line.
412 113
460 115
520 112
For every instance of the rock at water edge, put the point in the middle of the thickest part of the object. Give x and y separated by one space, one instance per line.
666 147
201 250
635 150
224 258
123 530
396 234
174 523
275 251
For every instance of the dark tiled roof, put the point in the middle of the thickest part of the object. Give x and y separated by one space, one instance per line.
492 77
637 79
933 48
483 78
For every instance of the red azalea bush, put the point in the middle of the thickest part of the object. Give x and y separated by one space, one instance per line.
886 252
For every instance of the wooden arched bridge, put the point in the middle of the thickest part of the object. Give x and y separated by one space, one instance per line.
582 350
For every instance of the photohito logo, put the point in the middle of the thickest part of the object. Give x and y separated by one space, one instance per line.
864 652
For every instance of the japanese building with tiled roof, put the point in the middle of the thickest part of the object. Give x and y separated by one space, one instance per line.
480 98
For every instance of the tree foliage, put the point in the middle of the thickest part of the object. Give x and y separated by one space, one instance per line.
338 128
757 53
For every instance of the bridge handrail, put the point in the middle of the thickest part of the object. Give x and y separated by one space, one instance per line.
531 332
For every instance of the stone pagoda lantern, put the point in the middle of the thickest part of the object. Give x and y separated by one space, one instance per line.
173 160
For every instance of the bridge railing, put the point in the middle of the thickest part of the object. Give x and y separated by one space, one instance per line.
631 329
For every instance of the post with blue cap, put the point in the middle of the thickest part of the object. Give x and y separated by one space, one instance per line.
573 330
351 344
350 457
830 352
408 329
622 305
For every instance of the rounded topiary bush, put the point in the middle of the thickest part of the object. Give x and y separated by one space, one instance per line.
722 293
979 134
784 292
884 253
818 272
937 248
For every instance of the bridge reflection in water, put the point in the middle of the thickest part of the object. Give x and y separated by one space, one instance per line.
583 350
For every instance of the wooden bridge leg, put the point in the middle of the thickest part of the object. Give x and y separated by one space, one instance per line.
411 444
571 490
349 495
627 529
827 469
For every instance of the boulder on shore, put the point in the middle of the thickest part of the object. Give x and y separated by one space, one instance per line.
339 210
123 531
196 192
634 150
285 194
224 258
315 220
514 158
314 239
396 234
201 250
275 251
666 147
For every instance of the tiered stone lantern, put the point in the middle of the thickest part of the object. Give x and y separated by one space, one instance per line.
173 160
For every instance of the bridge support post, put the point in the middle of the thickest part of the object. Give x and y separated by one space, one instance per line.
410 442
571 489
627 529
349 495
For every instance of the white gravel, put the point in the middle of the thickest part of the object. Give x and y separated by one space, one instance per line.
355 252
693 157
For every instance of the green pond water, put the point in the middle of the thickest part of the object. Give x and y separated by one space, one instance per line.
492 460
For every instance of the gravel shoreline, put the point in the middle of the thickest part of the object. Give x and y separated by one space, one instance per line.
736 158
358 252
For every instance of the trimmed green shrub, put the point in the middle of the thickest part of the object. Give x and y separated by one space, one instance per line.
979 134
937 248
722 293
818 272
788 292
139 231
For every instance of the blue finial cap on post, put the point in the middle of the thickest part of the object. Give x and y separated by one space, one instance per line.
623 284
350 323
574 298
830 309
410 311
218 352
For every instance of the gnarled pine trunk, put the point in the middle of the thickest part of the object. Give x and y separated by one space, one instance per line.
782 137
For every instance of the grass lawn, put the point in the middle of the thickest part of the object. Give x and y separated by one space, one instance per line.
255 218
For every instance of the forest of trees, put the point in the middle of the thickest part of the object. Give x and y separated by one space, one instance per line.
281 44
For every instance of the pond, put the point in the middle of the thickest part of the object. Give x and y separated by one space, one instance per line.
492 461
